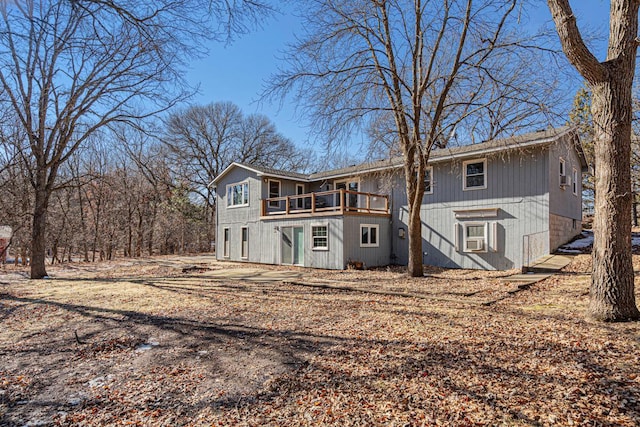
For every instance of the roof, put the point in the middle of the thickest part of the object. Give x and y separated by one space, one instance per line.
529 140
261 171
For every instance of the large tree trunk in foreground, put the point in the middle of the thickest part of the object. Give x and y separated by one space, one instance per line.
612 286
38 235
611 81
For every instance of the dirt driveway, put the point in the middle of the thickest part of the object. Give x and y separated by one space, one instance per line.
187 341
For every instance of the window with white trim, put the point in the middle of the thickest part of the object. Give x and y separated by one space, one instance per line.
274 192
475 174
574 182
369 235
428 180
475 236
245 243
238 194
562 169
320 237
227 243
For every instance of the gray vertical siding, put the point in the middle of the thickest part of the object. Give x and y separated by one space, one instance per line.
265 234
562 201
516 185
268 247
235 218
370 256
521 185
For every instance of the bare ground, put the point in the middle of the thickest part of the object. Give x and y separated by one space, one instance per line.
153 343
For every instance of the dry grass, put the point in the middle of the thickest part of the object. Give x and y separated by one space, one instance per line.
156 346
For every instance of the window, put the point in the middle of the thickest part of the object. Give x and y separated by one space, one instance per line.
238 194
369 235
475 172
227 243
320 237
274 191
245 243
475 237
350 200
574 182
478 236
428 180
300 191
563 173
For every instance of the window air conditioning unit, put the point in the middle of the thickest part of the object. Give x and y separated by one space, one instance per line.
565 180
475 244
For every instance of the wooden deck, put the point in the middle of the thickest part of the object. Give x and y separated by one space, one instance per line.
326 203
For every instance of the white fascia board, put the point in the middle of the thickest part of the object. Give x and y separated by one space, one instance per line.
228 168
482 152
273 175
354 173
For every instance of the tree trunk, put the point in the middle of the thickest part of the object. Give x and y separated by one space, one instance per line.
38 236
611 81
54 253
152 225
139 235
128 250
23 256
83 223
612 286
415 267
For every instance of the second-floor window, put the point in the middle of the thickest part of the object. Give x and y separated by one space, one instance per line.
428 180
238 194
475 174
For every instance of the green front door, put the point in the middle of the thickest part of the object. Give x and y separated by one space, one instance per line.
292 245
298 245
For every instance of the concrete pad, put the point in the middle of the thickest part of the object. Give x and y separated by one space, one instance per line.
527 278
253 274
543 268
551 263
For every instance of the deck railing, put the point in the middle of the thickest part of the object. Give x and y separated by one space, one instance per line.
333 202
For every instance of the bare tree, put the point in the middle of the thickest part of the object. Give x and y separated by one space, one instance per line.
202 140
15 194
611 81
419 69
68 69
205 139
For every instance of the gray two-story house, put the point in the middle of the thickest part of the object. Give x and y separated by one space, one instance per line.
500 204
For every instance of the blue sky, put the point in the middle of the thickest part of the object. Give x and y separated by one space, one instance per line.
237 72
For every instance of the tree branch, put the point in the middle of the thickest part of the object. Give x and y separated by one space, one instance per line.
572 43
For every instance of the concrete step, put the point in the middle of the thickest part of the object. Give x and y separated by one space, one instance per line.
549 264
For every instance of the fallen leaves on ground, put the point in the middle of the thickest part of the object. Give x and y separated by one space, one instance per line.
144 344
